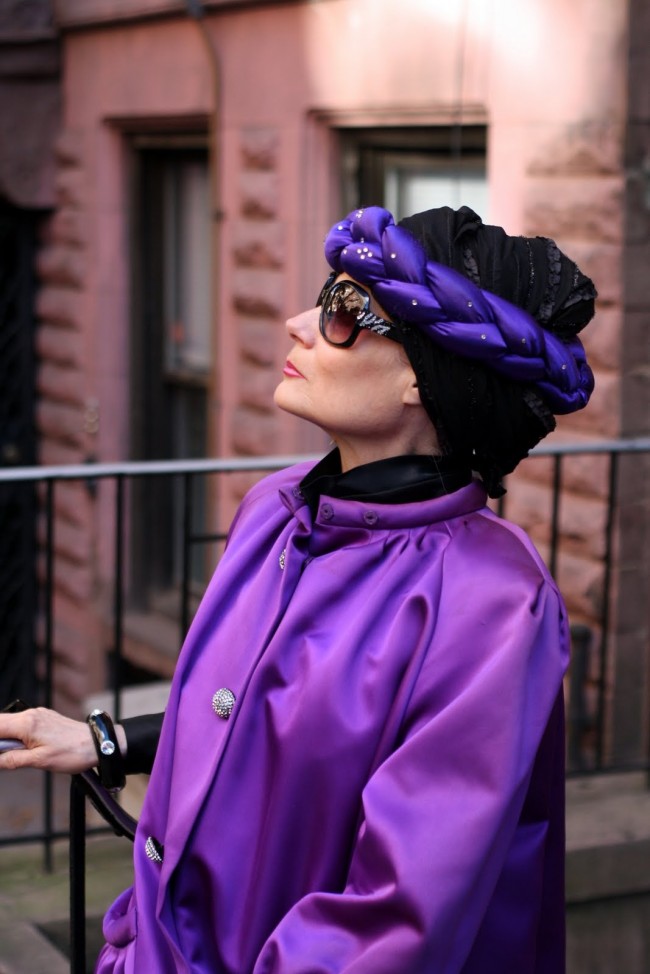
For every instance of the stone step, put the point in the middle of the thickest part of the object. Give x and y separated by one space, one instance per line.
24 949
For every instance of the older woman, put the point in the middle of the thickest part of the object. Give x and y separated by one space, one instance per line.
361 765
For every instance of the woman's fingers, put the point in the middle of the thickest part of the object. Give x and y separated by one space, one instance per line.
51 742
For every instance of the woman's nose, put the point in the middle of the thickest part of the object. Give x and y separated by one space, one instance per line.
303 328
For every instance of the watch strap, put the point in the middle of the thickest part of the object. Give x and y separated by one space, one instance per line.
110 763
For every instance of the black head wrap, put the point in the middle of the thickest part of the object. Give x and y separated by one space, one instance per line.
482 417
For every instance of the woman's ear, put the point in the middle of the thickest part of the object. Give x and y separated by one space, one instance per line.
411 396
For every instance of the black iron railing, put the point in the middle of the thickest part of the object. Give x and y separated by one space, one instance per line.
582 719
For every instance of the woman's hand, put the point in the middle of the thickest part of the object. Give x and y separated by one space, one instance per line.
51 741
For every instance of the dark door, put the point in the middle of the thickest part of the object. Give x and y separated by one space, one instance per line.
17 448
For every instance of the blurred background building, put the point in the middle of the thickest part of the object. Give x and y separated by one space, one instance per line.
167 173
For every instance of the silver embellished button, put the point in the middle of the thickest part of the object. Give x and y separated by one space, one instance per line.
283 558
222 702
154 850
370 517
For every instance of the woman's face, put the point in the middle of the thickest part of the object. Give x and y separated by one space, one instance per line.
364 397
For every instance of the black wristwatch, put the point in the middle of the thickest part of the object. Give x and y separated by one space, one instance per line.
110 763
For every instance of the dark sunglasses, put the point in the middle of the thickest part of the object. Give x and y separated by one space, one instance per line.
345 310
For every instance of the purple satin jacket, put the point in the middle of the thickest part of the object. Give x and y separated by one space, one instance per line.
387 793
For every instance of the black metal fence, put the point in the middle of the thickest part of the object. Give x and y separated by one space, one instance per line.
591 645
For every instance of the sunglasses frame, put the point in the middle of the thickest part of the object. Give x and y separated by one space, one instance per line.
365 319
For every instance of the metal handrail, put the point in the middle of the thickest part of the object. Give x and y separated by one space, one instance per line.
145 468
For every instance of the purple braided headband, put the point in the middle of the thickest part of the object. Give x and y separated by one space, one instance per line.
454 312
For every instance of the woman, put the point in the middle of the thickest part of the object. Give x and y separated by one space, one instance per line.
361 764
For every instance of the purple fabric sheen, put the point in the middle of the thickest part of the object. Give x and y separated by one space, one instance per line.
387 794
454 312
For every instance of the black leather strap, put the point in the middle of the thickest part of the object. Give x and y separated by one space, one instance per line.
110 764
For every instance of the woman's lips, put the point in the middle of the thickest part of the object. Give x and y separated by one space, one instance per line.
291 371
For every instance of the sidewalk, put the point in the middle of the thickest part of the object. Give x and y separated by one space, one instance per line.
34 905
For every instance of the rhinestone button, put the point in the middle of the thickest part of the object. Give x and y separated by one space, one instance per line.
327 512
153 849
281 560
222 702
370 517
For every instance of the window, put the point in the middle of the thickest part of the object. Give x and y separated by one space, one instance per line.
412 169
171 354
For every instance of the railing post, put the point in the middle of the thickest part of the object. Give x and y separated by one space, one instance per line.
118 597
187 543
48 799
605 616
555 514
77 878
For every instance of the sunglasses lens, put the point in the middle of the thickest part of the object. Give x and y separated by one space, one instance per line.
342 308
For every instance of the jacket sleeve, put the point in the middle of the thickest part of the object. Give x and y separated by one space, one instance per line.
142 736
439 814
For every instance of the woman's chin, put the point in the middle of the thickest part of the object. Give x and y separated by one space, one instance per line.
284 397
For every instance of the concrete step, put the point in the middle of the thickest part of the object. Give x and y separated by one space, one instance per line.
24 949
34 904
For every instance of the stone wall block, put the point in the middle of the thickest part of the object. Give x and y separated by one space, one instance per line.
254 433
60 383
528 504
586 473
569 209
61 265
58 345
71 543
74 504
602 416
68 148
602 338
602 263
54 453
582 473
260 195
580 580
70 186
69 226
258 340
586 148
582 525
257 384
240 483
258 293
59 304
72 580
260 148
61 421
581 519
259 243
